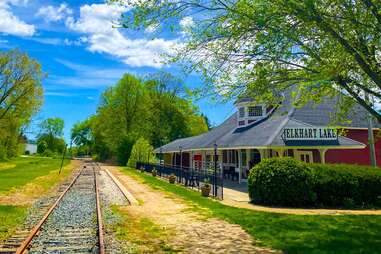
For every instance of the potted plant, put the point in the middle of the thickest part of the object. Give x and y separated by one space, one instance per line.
205 188
172 178
154 172
142 169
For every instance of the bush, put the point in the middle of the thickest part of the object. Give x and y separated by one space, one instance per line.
287 182
334 185
281 181
48 153
142 151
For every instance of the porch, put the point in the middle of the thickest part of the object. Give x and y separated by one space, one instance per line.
234 164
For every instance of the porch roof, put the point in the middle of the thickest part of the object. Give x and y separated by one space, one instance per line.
265 133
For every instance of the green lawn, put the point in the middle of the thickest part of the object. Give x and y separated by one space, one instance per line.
290 233
19 171
10 218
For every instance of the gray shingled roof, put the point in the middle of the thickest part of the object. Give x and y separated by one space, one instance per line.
267 132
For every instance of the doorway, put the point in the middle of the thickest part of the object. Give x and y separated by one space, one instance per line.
306 156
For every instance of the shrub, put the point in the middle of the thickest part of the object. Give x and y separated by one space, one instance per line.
142 151
287 182
334 185
47 153
281 181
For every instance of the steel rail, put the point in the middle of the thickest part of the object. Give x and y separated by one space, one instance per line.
25 244
99 216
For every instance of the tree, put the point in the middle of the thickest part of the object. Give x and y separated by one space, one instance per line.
51 132
82 137
141 151
136 108
20 97
263 47
20 85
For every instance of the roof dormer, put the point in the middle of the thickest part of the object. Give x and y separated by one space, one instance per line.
249 111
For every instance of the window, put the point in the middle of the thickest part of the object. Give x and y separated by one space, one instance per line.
242 112
241 123
255 111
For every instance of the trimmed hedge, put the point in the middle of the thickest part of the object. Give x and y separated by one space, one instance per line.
281 182
288 182
341 185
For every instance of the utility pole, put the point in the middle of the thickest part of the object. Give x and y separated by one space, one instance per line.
372 149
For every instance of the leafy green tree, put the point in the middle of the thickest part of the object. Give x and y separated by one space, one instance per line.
142 108
42 146
82 137
263 47
141 151
20 97
51 131
123 114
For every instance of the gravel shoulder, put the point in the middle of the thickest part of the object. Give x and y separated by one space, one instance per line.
188 230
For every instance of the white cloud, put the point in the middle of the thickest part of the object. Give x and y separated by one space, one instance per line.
186 22
51 13
59 41
98 21
11 24
151 28
50 41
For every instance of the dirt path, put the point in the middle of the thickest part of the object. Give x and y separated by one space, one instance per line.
191 233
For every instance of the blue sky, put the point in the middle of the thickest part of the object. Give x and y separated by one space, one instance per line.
83 53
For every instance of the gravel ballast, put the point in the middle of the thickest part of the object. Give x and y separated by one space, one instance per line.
72 226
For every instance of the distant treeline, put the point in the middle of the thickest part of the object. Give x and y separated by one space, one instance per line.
156 108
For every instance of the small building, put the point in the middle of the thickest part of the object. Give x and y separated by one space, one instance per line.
256 131
30 148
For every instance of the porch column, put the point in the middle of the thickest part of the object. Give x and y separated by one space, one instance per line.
248 158
322 155
239 165
262 152
191 159
280 152
203 160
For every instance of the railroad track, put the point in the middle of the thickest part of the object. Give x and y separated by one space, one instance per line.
73 224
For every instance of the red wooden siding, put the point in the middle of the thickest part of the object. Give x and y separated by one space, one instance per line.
355 156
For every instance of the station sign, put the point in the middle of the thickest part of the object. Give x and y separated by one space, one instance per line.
310 133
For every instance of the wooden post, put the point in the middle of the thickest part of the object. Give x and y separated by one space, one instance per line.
322 155
280 152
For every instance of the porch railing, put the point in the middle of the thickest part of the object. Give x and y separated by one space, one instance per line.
189 177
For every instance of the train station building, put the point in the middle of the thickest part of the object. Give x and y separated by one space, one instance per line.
256 131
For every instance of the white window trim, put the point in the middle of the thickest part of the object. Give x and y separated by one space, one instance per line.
248 118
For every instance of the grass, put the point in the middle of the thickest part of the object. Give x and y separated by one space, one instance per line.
141 234
10 217
22 180
289 233
22 170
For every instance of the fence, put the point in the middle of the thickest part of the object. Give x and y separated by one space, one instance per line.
189 177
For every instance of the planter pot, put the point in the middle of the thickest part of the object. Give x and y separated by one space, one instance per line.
172 179
154 173
205 190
